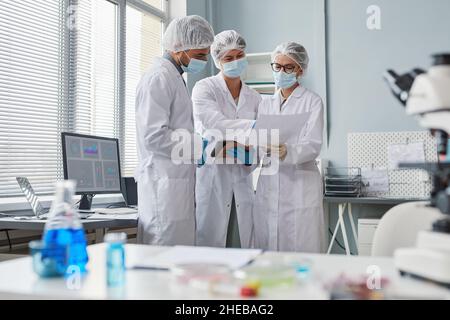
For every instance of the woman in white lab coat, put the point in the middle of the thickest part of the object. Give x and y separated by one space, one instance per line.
224 102
163 106
288 209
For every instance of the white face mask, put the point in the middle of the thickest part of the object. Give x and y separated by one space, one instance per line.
236 68
284 80
194 66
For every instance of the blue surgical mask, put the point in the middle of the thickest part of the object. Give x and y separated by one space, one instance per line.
234 69
195 65
284 80
448 151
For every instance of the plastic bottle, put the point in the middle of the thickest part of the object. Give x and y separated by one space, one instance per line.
64 232
115 259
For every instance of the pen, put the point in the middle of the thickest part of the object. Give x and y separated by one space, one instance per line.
150 268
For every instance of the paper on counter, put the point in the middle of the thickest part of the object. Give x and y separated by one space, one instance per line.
405 153
375 180
233 258
289 126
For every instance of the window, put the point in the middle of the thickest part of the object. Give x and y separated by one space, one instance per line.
95 85
143 43
32 92
55 78
155 3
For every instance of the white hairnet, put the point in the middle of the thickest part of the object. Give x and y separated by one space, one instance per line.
186 33
295 51
226 41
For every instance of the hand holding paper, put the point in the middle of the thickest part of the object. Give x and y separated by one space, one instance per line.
280 151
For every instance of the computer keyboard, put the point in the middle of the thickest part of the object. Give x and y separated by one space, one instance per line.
115 210
43 216
81 215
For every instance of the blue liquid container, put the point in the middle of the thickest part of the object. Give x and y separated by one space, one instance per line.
64 233
115 259
72 245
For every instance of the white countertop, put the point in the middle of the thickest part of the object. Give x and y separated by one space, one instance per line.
18 281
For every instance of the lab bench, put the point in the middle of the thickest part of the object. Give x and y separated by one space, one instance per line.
18 281
345 206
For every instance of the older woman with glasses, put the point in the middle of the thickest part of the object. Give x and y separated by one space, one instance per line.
288 208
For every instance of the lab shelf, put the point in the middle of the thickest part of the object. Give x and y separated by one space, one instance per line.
259 73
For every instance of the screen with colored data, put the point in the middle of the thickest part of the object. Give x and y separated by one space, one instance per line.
93 162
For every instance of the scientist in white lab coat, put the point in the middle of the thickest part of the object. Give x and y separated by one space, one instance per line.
288 208
224 196
163 105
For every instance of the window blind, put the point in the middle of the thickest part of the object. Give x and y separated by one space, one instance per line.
32 92
158 4
94 66
57 77
143 43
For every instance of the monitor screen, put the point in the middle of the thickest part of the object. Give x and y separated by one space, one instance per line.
93 162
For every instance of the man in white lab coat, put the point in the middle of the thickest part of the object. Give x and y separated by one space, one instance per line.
288 205
224 102
163 106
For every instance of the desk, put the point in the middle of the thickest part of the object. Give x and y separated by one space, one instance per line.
99 224
18 281
345 205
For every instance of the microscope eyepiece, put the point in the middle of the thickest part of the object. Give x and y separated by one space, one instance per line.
442 59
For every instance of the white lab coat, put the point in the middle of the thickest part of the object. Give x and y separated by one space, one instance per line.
288 206
215 108
165 190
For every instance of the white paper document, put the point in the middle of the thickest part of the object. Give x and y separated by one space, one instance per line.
405 153
101 216
233 258
289 126
256 174
116 211
375 181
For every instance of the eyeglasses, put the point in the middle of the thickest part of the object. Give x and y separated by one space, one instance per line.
289 68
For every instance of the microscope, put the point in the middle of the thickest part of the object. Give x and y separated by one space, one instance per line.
426 96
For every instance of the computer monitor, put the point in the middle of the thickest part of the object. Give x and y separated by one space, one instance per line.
129 191
94 163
